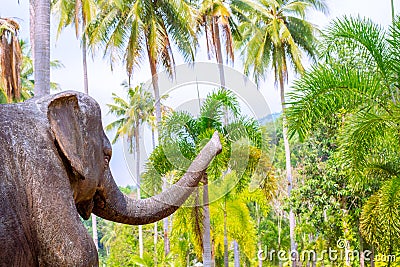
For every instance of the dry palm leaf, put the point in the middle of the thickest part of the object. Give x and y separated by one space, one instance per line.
10 58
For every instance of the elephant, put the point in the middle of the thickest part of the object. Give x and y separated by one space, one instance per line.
55 169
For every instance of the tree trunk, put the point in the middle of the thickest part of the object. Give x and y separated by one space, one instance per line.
226 255
236 253
260 260
393 13
207 259
292 222
362 256
137 152
372 256
279 235
155 244
94 230
154 79
84 62
41 44
153 142
218 50
32 27
165 225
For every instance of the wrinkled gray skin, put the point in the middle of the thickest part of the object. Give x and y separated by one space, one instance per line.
54 167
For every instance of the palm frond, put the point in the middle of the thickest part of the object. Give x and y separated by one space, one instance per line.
379 222
326 91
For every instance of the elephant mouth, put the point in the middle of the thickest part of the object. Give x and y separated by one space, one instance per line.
85 208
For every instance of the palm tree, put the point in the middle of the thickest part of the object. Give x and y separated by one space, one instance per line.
361 90
274 35
219 28
181 130
10 59
40 18
130 115
76 12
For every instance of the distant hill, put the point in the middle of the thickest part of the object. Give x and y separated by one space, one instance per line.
269 118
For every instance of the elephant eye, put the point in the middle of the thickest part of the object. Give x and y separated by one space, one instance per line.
106 160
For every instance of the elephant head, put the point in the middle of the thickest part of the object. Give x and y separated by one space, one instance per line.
75 123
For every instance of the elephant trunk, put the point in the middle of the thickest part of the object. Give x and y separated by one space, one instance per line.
113 205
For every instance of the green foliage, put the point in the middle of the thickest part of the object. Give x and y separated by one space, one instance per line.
123 246
241 162
241 228
380 218
358 92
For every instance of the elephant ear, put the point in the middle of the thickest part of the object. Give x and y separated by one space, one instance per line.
65 119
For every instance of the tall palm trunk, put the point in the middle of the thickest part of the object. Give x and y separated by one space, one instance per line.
218 51
32 27
165 227
207 257
84 61
236 254
226 256
155 229
361 246
41 44
153 141
137 152
206 222
94 230
154 79
260 260
292 222
393 14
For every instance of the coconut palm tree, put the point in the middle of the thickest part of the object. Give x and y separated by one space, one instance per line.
361 90
133 30
130 115
77 13
275 34
215 19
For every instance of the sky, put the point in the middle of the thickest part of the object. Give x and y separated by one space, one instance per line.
103 82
